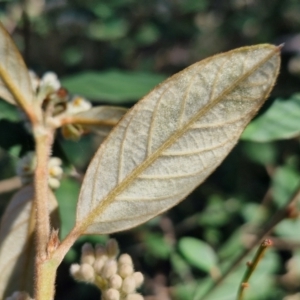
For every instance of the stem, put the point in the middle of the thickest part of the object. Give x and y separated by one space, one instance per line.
44 269
251 266
287 211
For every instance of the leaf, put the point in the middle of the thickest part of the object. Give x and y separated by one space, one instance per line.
16 242
15 84
67 195
281 121
112 86
198 253
100 119
174 138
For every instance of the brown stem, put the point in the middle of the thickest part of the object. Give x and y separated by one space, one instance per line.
43 141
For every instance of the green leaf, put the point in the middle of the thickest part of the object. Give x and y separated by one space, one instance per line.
157 245
285 181
112 86
67 196
288 229
8 112
198 253
281 121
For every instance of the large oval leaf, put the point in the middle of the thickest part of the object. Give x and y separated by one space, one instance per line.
16 242
174 138
15 84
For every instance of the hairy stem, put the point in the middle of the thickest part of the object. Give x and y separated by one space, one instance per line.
43 274
251 266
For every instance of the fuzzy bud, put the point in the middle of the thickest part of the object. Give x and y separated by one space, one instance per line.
128 285
87 254
112 248
111 294
125 270
109 269
99 263
125 259
87 272
134 297
100 251
139 278
115 281
75 271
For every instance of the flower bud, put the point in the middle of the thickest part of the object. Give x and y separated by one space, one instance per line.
115 281
111 294
87 272
112 248
128 285
139 278
99 263
125 270
87 254
100 251
109 269
125 259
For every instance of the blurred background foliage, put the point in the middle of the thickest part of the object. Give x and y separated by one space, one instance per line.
115 51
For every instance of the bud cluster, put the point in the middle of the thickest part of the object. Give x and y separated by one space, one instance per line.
27 164
56 101
113 275
19 296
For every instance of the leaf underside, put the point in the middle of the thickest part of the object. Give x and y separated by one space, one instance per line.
15 83
17 251
174 138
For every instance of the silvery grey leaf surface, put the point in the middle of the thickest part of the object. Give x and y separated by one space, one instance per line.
14 77
174 138
17 251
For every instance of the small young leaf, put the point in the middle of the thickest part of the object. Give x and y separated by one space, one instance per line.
100 119
198 253
281 121
174 138
15 84
16 242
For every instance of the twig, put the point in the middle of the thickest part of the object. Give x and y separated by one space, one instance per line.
288 211
251 266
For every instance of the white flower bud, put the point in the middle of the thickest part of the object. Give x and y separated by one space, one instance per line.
109 269
128 285
112 248
125 270
134 297
111 294
100 251
53 183
139 278
75 272
55 171
115 281
87 272
99 263
87 254
49 82
77 105
125 259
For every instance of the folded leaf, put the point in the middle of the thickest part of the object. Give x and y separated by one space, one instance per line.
17 251
174 138
15 84
100 119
